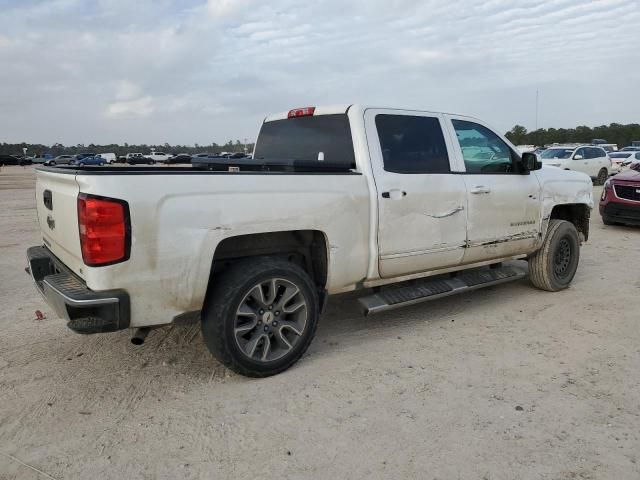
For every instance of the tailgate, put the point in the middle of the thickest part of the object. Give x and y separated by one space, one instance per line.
56 203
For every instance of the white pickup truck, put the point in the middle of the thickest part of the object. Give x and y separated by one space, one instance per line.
410 205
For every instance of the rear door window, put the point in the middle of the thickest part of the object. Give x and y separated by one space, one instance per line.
307 139
412 144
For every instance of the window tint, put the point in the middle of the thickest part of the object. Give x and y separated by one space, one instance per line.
638 156
412 144
483 151
581 152
599 152
303 138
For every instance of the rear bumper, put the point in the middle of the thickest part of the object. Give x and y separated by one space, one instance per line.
86 311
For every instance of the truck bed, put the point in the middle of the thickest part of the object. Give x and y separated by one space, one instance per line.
179 215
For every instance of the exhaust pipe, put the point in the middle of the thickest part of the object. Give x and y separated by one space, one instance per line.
139 335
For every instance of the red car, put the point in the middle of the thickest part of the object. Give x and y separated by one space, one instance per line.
620 200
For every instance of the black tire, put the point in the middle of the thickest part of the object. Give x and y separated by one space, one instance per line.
101 164
553 267
607 221
603 174
231 290
152 162
81 164
52 163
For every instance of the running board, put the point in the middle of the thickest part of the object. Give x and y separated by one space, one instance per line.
417 291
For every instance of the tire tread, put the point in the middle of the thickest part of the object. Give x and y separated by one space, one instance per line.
226 286
539 271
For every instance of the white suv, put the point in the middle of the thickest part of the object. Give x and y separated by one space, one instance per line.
592 160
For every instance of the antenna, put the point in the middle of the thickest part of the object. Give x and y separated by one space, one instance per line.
537 133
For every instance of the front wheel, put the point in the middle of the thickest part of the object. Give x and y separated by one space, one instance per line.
602 176
553 267
260 316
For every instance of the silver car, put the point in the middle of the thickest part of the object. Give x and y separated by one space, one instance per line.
61 160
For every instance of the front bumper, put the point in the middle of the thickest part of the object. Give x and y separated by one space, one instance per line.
86 311
621 212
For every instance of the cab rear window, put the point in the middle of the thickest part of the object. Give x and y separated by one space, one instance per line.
309 139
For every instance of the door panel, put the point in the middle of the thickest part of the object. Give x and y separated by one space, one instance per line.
585 164
421 204
503 206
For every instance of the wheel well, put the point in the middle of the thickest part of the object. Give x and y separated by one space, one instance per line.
576 213
306 248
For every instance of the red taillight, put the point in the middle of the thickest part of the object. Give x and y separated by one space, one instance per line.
301 112
103 224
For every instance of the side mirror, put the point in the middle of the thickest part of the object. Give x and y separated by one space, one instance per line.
530 162
578 157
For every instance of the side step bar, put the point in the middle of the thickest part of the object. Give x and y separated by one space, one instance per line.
417 291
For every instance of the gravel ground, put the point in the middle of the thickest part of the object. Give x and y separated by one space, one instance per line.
507 382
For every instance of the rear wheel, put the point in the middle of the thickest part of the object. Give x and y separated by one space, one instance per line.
101 164
81 164
151 162
553 267
602 176
260 316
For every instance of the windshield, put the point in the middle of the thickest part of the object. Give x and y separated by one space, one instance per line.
309 139
557 153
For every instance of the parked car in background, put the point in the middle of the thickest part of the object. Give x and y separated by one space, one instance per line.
159 157
204 155
593 161
14 160
526 148
41 158
61 160
89 160
622 159
620 200
79 156
108 157
608 147
139 159
180 158
630 149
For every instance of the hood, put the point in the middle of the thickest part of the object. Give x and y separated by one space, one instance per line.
627 176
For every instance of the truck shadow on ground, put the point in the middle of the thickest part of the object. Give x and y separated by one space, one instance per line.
180 349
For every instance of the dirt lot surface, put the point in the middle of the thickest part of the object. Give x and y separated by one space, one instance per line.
503 383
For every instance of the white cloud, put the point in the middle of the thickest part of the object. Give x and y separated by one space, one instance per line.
201 71
127 90
140 107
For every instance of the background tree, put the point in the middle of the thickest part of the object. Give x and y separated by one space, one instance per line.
517 135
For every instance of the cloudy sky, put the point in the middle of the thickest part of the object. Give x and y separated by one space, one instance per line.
83 71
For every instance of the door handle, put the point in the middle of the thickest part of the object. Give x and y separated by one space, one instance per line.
394 194
480 189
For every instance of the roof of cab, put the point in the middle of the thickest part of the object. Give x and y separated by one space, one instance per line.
321 110
337 109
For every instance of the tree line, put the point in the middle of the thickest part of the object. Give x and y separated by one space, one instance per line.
622 135
59 149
